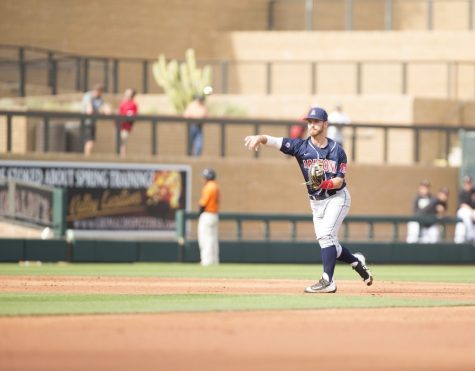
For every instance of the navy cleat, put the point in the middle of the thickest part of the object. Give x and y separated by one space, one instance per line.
363 270
322 286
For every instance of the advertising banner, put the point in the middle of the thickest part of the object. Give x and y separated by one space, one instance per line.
27 202
109 197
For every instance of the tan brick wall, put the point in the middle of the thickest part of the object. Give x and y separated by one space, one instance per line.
274 184
123 28
147 27
430 71
370 15
104 28
23 135
331 46
451 15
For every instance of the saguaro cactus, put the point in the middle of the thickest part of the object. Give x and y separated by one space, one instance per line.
181 81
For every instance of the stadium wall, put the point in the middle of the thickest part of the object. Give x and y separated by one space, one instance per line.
383 109
273 185
84 251
147 27
439 63
382 55
370 14
142 28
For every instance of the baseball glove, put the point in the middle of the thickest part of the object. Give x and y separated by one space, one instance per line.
315 175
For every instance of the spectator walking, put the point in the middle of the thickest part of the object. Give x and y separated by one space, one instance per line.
208 220
196 109
465 230
128 107
338 117
92 103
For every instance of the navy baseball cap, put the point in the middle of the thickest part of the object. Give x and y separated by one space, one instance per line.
317 113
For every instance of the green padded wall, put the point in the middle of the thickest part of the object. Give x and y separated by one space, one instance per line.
46 250
12 250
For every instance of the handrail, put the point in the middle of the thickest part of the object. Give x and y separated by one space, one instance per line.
182 216
215 120
323 58
110 66
223 123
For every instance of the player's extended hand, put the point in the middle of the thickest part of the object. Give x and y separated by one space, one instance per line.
254 141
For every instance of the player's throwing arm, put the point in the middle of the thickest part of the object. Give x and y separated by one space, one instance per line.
255 141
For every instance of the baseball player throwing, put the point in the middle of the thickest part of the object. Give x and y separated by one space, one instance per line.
323 165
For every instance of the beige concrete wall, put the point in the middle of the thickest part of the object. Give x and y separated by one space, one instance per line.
451 15
468 114
123 28
414 63
23 135
274 184
147 27
370 14
103 28
331 15
436 79
335 46
378 108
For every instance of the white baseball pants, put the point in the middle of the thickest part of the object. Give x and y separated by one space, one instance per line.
465 230
208 238
328 214
418 234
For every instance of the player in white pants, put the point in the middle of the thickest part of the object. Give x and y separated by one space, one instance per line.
208 221
465 230
208 238
330 202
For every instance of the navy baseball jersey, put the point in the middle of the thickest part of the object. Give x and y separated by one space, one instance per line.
333 157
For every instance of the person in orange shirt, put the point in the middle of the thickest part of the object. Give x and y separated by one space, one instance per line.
209 218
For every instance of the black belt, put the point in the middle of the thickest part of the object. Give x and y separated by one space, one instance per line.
323 195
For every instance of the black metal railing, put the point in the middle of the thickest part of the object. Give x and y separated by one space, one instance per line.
61 72
397 225
448 135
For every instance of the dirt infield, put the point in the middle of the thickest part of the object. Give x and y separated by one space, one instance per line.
327 339
158 286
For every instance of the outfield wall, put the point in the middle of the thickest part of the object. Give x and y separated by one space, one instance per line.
148 27
14 250
273 183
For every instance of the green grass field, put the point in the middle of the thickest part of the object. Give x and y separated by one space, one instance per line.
12 304
422 273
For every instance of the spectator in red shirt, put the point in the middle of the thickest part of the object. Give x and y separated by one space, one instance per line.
128 107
